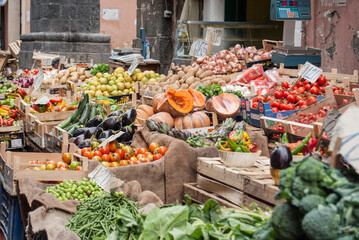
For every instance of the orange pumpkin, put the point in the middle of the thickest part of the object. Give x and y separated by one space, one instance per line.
163 117
143 112
225 105
192 120
198 99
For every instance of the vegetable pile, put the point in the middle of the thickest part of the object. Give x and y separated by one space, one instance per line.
24 82
100 68
54 105
237 141
73 74
117 154
81 190
321 204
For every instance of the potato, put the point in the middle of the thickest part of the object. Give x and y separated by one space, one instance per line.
82 77
88 74
183 67
208 83
181 81
196 79
200 71
217 80
63 80
61 74
194 85
186 69
181 74
222 82
184 86
170 73
208 78
190 80
163 79
67 73
206 73
226 78
74 78
72 69
81 71
173 79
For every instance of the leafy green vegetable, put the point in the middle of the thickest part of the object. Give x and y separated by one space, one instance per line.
100 68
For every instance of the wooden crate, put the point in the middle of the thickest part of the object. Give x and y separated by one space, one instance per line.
200 196
57 141
14 166
238 185
332 76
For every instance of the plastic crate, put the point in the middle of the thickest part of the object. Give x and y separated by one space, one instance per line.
10 219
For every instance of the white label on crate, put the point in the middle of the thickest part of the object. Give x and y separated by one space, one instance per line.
330 121
216 36
133 66
42 101
199 49
110 139
310 72
105 179
38 79
16 143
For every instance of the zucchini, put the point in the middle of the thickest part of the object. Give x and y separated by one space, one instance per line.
73 128
93 111
86 114
77 113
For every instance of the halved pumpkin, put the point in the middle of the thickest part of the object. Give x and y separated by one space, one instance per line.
225 105
198 99
163 117
181 101
160 103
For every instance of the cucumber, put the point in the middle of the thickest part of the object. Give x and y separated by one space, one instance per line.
73 128
86 114
75 114
93 111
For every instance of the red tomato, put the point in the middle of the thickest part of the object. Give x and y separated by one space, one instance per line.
269 99
307 87
89 155
283 107
301 90
255 105
274 104
105 150
153 146
294 92
303 106
285 94
113 146
275 110
311 100
290 107
314 90
161 150
322 89
127 156
106 157
295 88
321 80
261 98
336 92
136 151
114 157
85 150
285 85
157 156
97 153
306 82
298 98
316 84
299 84
291 98
143 150
278 94
302 102
120 152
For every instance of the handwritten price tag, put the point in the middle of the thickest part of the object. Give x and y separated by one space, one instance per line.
199 49
330 122
38 79
105 179
216 36
310 72
133 66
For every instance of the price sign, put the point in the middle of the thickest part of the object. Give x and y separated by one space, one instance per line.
216 36
133 66
42 101
105 179
199 49
38 79
110 139
310 72
330 122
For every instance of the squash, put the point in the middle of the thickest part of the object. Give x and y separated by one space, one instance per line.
143 112
181 101
163 117
225 105
160 103
192 120
147 109
198 99
174 102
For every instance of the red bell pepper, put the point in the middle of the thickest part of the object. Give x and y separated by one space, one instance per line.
35 107
10 122
2 122
56 100
13 113
50 107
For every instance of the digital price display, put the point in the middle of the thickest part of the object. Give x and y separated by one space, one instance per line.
290 10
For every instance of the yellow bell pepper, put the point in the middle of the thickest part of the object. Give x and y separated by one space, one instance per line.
3 112
105 102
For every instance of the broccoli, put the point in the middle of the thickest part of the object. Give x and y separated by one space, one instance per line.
321 223
332 198
265 232
311 170
286 178
286 222
301 188
310 202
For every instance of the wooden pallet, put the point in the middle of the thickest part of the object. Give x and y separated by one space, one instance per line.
239 186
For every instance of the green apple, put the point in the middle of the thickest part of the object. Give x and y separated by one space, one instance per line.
111 82
103 81
74 165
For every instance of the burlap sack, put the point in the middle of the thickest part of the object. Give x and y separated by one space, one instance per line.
44 215
180 161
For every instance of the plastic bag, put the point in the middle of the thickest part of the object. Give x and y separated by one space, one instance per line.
250 74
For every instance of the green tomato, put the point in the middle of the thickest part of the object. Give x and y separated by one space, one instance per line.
68 195
86 189
85 180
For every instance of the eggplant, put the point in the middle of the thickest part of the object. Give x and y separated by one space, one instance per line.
128 117
101 140
281 157
126 136
115 113
79 139
90 132
106 134
94 122
99 130
78 132
109 123
84 144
